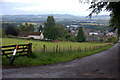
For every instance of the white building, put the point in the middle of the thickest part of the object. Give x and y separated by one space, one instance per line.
41 36
93 33
110 33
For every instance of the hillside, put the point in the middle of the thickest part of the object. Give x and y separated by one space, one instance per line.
58 17
64 19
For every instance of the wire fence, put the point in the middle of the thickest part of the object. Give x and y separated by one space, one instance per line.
58 49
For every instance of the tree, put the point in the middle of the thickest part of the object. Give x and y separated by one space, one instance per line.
112 7
25 30
50 30
11 30
80 36
40 28
101 40
68 36
31 28
61 30
27 27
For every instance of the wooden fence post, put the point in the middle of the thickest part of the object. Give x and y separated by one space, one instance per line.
70 48
85 48
29 49
56 48
43 48
53 49
79 47
89 47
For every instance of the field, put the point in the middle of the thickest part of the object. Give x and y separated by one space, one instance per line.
37 46
91 24
67 51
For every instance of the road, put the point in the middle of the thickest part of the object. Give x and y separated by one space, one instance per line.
100 65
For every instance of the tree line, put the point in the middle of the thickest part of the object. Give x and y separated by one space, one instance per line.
51 31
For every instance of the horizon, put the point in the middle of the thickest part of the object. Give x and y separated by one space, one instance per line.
51 15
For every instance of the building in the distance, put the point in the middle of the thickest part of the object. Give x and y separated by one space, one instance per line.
41 36
93 33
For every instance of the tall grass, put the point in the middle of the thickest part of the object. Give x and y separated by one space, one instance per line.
37 46
39 58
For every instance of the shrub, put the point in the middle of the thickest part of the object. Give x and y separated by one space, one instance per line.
61 39
112 40
3 35
67 36
73 39
115 40
9 36
101 40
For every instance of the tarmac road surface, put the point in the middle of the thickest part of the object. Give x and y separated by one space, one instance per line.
101 65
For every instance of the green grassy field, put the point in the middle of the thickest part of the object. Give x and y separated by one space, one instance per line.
50 57
37 46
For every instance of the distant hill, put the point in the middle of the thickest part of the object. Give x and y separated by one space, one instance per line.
96 22
65 16
60 18
103 17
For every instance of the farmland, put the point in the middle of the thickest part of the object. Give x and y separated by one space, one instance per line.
65 53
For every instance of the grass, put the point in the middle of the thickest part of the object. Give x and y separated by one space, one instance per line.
37 46
39 58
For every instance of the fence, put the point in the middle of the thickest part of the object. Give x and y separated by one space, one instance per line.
23 50
57 48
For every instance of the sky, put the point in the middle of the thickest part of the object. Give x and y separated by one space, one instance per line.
38 7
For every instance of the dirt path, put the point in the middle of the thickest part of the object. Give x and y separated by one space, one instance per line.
101 65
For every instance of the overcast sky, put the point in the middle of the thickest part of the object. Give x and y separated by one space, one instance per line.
37 7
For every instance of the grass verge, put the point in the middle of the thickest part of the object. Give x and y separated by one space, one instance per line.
50 58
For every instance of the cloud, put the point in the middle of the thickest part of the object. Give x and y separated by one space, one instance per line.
18 1
39 1
55 5
48 6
